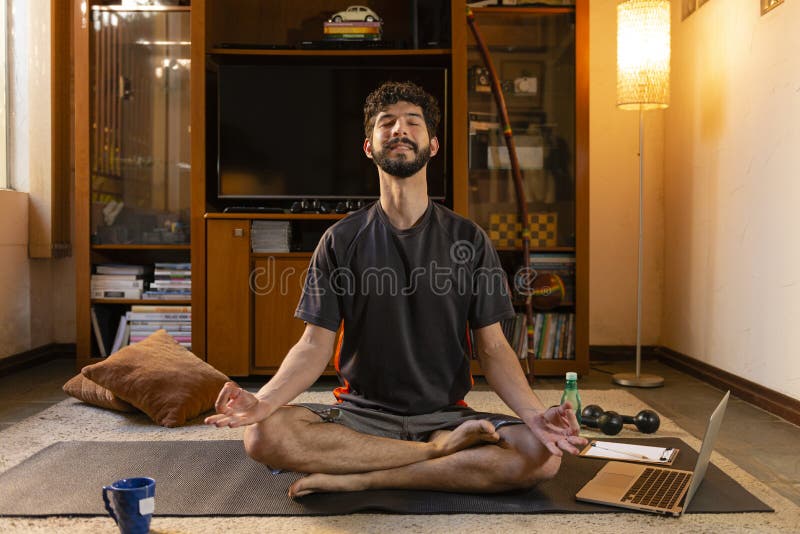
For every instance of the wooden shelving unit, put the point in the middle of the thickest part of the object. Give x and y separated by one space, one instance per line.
224 310
122 155
516 35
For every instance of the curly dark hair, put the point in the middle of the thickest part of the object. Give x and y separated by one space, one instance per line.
393 92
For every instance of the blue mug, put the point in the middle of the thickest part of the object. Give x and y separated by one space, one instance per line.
131 502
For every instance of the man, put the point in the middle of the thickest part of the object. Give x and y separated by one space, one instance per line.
404 278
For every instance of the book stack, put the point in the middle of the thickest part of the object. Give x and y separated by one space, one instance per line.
171 281
118 281
103 322
142 320
271 236
352 31
516 332
553 336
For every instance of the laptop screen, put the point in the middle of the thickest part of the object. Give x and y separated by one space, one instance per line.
714 423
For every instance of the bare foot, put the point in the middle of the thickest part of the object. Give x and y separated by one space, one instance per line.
468 434
321 483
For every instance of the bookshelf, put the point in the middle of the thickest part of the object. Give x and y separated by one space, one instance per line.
132 176
227 317
540 54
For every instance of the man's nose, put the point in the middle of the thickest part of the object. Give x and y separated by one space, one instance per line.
399 128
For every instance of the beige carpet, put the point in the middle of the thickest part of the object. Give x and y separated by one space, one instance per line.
73 420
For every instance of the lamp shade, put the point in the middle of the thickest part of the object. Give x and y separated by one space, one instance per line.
643 51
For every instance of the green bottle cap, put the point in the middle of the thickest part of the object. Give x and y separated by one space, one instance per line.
572 375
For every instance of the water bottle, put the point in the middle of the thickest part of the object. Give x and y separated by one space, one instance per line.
571 394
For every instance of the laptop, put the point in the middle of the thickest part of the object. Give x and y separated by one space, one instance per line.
654 489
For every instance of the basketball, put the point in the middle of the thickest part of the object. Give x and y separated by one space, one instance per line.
547 291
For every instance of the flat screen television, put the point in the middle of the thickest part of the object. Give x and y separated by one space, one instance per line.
295 131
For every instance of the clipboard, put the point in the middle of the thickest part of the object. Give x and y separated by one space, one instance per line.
625 452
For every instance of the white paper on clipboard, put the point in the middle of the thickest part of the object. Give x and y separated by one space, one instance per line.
627 452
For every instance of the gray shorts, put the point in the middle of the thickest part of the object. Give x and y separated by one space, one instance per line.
403 427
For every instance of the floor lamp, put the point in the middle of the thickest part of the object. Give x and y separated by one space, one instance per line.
643 52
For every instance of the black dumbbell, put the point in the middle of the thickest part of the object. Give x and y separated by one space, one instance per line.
646 421
608 422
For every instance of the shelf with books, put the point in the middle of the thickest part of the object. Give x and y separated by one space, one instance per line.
132 158
116 289
540 55
553 336
115 326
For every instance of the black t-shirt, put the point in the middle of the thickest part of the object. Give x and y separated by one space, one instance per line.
406 299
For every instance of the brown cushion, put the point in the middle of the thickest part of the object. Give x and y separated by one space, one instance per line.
84 389
161 378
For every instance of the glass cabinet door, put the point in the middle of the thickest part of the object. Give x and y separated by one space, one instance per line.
533 52
140 146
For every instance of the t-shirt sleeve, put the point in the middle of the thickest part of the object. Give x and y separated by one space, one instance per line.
319 304
491 301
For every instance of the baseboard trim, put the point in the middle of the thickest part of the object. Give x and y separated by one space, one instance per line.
765 398
615 353
36 356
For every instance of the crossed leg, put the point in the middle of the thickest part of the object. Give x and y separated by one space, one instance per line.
518 461
341 459
297 439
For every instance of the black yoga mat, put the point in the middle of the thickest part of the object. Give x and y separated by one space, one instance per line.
205 478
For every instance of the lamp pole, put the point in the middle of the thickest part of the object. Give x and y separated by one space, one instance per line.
638 379
643 55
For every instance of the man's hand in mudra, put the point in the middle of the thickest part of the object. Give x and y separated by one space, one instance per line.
237 407
557 428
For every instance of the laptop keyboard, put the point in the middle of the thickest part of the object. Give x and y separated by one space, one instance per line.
657 487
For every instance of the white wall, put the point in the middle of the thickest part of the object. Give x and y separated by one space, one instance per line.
15 281
732 192
37 296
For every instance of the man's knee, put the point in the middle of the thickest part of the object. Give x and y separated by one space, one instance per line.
546 471
523 473
270 441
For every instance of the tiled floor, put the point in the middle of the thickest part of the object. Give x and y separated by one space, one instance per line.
759 442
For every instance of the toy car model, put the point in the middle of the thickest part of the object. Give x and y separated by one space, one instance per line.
355 13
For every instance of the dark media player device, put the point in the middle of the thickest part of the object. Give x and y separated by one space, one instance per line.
349 205
315 206
309 206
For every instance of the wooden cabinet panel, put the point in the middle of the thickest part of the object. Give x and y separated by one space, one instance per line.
228 296
277 285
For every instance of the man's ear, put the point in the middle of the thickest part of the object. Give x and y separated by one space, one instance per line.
434 146
368 147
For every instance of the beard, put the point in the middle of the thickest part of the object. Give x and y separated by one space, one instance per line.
400 166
